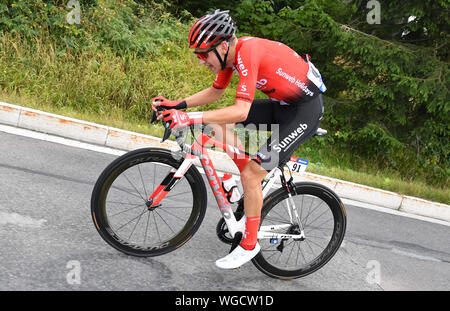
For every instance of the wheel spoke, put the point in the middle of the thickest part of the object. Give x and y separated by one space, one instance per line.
139 219
126 191
142 180
133 219
166 211
127 210
164 221
156 225
308 224
132 185
146 229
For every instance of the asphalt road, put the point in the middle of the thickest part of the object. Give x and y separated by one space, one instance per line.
48 240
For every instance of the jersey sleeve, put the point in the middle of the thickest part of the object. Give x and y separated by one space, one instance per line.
248 61
223 78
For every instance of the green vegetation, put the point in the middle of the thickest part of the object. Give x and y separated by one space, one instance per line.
387 107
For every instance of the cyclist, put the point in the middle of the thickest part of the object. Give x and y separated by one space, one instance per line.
292 113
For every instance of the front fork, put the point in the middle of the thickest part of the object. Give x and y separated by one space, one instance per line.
172 178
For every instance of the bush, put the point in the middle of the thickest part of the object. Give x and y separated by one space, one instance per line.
126 27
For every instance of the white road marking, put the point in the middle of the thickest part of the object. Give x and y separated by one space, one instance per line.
59 140
395 212
416 256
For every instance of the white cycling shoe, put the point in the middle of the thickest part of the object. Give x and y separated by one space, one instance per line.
237 257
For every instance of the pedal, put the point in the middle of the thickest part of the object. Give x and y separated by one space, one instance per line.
280 247
236 241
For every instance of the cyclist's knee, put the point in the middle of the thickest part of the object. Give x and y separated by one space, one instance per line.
252 173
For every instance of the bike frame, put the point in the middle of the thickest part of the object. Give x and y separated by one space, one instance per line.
234 226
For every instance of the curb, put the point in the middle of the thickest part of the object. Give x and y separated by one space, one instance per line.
80 130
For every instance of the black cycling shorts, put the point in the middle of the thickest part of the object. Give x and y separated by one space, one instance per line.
291 125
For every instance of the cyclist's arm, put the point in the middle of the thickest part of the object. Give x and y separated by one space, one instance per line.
204 97
228 115
249 59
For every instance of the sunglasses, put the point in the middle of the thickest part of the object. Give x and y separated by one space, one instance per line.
204 55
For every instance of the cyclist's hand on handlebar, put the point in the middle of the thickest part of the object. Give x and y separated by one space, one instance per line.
162 102
177 119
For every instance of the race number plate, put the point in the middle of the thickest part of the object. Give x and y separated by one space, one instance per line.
297 165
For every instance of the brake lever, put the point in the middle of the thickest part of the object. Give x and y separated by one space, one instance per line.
167 131
155 115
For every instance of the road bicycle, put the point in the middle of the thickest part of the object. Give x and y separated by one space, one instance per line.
151 201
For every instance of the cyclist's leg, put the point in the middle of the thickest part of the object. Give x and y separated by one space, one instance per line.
296 123
261 112
261 117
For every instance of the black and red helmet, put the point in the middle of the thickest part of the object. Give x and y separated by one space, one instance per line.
211 29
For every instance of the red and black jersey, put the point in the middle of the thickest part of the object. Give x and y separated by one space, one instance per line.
273 68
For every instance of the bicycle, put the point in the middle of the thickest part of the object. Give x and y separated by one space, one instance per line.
293 245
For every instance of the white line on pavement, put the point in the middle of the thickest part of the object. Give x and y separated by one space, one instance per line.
394 212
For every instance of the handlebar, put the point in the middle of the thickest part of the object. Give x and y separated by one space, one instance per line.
176 133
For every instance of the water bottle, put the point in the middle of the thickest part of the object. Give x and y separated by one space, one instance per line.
231 188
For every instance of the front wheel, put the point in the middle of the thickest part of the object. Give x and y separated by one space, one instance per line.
320 217
122 213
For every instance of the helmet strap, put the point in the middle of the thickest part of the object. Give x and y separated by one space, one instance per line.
223 62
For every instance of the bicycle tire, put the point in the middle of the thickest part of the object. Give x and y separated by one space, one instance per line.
311 194
112 184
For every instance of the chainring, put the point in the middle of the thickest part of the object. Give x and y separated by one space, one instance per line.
222 230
